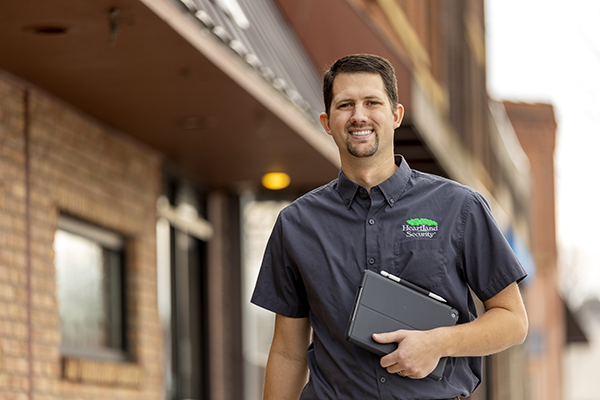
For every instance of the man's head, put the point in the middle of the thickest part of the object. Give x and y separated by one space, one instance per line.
361 63
362 108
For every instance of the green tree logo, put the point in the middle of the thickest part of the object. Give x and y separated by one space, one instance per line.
421 221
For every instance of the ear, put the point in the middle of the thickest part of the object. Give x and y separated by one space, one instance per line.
398 115
325 122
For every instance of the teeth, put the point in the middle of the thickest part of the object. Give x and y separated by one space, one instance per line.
362 133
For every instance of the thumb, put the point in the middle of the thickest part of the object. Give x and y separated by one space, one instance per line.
389 337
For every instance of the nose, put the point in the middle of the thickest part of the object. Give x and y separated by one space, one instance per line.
359 114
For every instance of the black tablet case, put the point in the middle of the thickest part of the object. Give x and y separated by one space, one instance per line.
382 305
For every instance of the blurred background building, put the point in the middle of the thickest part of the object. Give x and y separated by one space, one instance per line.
134 137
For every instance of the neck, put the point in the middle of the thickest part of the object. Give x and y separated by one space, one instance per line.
368 174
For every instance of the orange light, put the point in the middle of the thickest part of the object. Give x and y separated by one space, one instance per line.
276 180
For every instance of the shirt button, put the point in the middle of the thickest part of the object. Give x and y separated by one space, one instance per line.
361 190
382 379
371 222
392 201
371 261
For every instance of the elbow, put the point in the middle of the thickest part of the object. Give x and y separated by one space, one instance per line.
520 324
522 328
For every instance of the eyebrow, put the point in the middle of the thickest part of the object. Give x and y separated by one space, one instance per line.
345 99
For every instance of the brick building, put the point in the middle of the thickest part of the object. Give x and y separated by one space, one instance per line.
56 161
535 127
136 131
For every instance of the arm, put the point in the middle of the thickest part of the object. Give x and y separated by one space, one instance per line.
502 325
287 368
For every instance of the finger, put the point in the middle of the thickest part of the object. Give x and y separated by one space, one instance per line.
378 337
390 360
405 374
397 369
383 337
388 363
394 369
388 337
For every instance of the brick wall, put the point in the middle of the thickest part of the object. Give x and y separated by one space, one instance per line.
54 159
14 366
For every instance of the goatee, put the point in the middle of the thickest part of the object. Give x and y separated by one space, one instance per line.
356 152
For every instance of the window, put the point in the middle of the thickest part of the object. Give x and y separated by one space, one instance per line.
90 270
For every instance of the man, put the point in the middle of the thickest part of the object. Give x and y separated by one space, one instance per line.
366 219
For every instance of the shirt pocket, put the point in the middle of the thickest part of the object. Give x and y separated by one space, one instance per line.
421 262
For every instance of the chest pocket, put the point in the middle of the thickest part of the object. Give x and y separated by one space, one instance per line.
421 262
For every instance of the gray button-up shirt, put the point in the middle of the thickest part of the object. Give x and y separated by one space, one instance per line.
428 230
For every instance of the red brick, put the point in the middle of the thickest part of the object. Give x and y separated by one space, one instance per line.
80 167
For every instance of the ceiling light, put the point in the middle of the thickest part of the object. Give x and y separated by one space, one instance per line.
276 180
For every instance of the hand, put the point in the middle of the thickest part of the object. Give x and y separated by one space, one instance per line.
416 356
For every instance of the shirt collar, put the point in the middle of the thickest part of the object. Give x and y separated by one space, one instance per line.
391 188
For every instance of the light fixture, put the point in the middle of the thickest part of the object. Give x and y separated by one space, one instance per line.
276 180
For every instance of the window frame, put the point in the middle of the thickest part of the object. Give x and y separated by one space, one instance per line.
115 244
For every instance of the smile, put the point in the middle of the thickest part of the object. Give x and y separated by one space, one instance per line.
362 133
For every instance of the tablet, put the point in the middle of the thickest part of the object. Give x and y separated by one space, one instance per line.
383 305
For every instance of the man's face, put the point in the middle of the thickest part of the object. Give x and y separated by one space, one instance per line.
361 118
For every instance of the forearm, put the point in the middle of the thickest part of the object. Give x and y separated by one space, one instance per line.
504 324
495 331
284 377
287 368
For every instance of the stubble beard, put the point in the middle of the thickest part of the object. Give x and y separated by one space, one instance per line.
357 152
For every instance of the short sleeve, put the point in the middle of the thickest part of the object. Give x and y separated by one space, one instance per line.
279 287
488 262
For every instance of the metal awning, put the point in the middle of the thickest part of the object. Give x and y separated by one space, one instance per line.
151 70
258 33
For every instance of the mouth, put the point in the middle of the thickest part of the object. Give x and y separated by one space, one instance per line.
364 132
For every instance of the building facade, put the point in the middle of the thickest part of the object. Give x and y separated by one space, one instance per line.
535 126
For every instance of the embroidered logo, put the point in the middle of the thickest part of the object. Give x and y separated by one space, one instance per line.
420 228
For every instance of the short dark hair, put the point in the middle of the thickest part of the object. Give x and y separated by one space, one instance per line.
361 63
